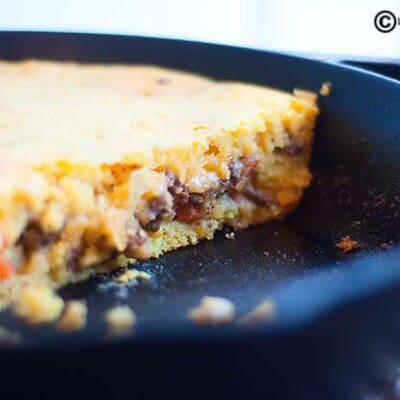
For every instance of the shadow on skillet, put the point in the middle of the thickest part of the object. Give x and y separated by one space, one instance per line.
356 192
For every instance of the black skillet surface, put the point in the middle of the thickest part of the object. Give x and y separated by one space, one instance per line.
327 340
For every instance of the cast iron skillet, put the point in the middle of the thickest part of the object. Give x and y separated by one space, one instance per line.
330 306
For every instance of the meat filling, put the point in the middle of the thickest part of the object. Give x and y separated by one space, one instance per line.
178 203
190 207
34 237
158 211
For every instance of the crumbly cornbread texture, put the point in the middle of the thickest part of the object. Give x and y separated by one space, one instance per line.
101 160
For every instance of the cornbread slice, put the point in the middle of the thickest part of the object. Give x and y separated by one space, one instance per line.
102 160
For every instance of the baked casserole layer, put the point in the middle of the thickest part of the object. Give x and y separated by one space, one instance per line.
98 161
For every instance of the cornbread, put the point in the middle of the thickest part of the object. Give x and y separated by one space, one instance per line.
106 161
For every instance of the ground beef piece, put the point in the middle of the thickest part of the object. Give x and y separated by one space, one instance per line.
189 207
196 198
178 190
163 81
261 198
137 239
135 246
154 211
158 211
292 149
73 262
241 171
241 182
189 212
34 237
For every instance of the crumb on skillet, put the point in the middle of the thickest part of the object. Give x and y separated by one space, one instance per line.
263 312
38 304
132 275
347 244
120 320
73 317
325 89
213 311
230 235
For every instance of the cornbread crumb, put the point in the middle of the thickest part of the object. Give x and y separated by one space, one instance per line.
263 312
325 89
213 311
230 235
306 95
132 275
38 304
120 320
74 316
347 244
